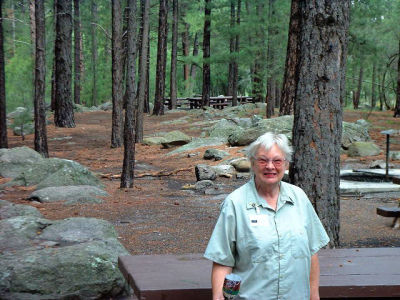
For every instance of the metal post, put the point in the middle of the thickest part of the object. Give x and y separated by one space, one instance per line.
387 156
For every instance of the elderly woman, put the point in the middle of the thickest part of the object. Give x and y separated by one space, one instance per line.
268 232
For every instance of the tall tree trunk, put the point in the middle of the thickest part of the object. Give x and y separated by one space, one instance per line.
32 25
117 70
128 167
174 55
161 59
94 51
292 57
77 53
12 16
317 126
236 57
232 40
147 93
40 76
64 112
195 52
357 94
205 100
185 52
270 60
277 95
373 89
259 57
3 115
53 69
397 108
143 71
270 98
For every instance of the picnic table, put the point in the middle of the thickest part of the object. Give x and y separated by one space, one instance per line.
372 273
218 102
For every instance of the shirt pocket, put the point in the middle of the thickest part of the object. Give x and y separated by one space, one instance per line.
259 247
299 243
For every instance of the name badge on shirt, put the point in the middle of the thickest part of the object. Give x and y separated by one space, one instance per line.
258 220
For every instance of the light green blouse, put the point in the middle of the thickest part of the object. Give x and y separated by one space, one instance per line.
270 250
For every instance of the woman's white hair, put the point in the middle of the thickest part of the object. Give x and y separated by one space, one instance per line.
267 140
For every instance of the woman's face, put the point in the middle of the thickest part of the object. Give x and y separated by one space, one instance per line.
269 166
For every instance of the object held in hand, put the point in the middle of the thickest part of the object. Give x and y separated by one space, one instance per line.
231 286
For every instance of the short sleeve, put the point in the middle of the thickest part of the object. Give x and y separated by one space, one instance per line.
317 236
222 245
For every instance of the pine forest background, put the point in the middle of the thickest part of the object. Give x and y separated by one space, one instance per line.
373 43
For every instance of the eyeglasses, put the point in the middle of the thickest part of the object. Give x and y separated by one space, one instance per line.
277 162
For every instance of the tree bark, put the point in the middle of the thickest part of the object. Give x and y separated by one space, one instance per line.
174 55
77 53
231 48
40 76
195 52
185 52
53 69
32 25
147 93
317 126
64 113
373 90
292 53
143 71
205 100
357 94
3 116
128 167
117 75
161 58
270 99
397 109
259 57
236 57
94 51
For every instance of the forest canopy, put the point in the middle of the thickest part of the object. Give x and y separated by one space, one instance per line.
371 74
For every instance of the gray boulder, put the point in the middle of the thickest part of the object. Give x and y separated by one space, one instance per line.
55 172
241 164
394 155
282 124
224 170
106 106
17 112
203 184
198 143
153 140
71 194
223 128
175 138
353 132
215 154
9 210
26 129
15 160
74 258
205 172
363 149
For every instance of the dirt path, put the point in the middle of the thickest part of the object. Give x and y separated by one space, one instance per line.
157 216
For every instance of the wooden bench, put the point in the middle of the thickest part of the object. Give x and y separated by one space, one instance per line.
372 273
391 212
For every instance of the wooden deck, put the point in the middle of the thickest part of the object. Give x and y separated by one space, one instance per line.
371 273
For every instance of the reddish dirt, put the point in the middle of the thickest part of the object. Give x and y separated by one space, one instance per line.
157 216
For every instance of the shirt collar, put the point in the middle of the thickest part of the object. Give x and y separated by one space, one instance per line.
256 200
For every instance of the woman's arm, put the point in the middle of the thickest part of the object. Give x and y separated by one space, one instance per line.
314 278
217 279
